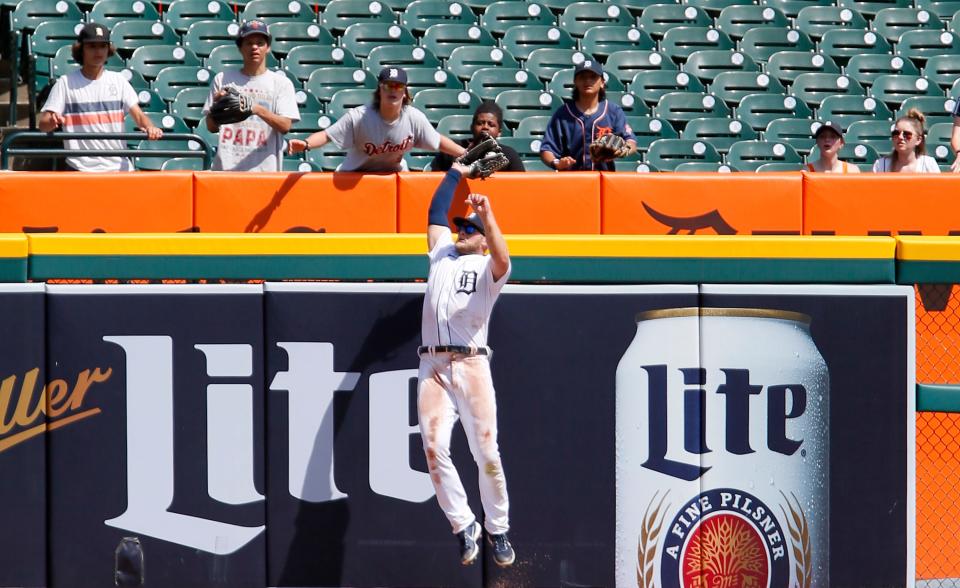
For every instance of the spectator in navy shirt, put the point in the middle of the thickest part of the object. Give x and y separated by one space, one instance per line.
582 120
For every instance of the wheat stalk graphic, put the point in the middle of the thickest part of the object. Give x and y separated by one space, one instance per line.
800 540
647 544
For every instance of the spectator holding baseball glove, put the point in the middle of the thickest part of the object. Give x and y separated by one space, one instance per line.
252 108
376 135
587 132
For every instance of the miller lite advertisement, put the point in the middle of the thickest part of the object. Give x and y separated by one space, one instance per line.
651 436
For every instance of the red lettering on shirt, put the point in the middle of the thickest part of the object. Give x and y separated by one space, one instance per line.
388 147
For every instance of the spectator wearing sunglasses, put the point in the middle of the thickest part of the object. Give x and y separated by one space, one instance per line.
829 138
376 135
909 153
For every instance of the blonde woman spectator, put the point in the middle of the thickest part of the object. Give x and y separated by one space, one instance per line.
829 138
909 147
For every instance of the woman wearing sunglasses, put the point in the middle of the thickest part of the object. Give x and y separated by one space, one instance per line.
909 153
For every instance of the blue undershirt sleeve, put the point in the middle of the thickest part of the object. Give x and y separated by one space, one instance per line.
440 205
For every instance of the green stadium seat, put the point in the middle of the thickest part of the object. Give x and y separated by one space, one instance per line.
846 110
749 155
920 45
505 14
667 154
363 37
170 123
147 163
600 41
62 63
715 7
45 42
400 56
182 164
478 6
737 20
110 12
869 8
954 91
860 155
657 19
205 35
422 78
344 100
890 23
544 63
785 66
778 167
562 83
180 14
533 126
732 86
648 129
817 20
328 157
762 43
225 57
303 60
629 103
128 35
420 15
324 82
707 64
943 9
842 44
703 167
579 17
28 15
625 65
812 88
522 40
536 165
635 7
487 82
188 104
212 139
796 132
719 132
456 126
866 68
307 103
557 6
464 62
150 59
288 35
291 165
680 107
937 109
311 122
340 14
875 133
758 110
135 78
418 159
272 11
437 104
938 144
526 147
519 104
791 8
894 89
679 42
443 39
170 80
650 86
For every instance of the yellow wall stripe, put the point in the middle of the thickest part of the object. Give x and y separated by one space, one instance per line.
13 245
928 248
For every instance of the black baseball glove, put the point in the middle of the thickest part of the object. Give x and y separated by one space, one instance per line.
608 147
484 158
232 107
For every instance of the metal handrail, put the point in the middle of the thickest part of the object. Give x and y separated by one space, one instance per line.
6 150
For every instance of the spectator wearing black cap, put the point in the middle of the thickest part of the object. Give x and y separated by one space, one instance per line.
581 121
94 99
255 144
487 118
829 139
376 135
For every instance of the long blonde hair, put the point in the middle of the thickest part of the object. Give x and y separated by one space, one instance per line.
916 119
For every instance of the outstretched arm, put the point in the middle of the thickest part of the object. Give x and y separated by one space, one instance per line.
437 225
499 254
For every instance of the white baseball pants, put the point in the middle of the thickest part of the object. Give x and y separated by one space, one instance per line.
454 385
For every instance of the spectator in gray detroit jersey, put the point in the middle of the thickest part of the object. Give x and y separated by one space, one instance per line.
376 135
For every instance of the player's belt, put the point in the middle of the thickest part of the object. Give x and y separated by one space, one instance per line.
461 349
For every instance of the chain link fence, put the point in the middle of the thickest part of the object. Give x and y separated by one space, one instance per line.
938 440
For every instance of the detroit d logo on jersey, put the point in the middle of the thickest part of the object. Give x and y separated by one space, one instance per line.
467 282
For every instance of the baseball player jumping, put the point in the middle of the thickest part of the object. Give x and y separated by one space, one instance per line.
455 380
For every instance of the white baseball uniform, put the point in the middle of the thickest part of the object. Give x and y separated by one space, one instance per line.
460 295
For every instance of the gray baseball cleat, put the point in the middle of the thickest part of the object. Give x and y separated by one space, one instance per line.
468 543
503 552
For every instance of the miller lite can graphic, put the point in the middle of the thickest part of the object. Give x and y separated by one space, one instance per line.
722 451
